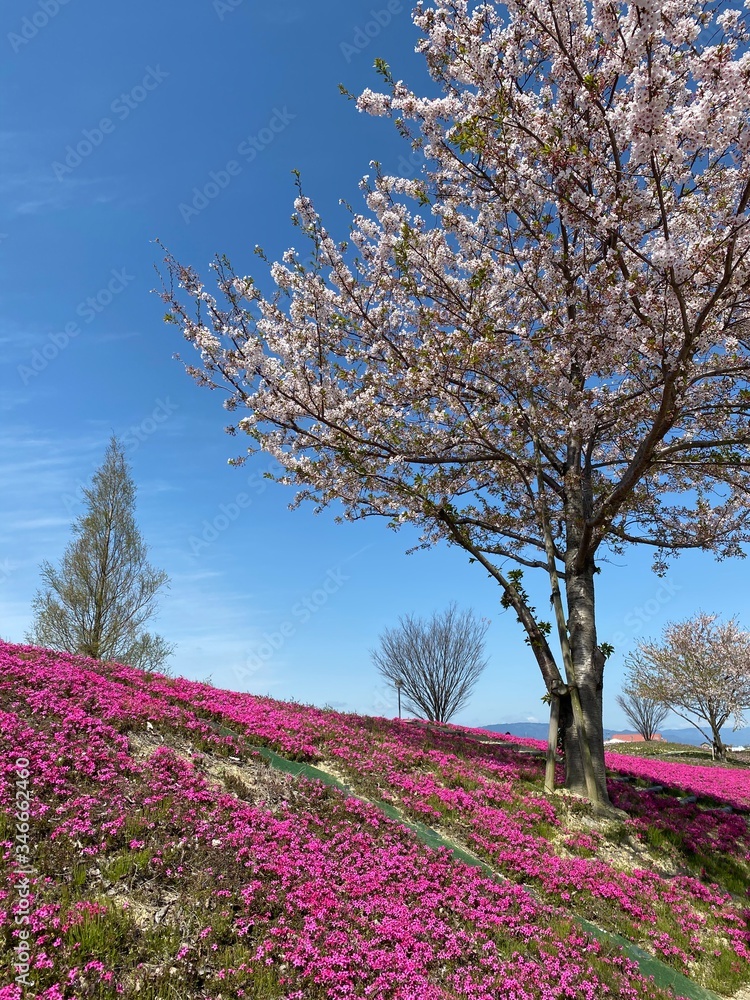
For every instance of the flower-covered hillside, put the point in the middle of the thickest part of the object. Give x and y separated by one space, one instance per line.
164 857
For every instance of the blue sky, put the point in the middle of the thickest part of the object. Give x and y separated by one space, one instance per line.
126 123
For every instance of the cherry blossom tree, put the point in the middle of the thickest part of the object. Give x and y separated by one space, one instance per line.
700 670
537 350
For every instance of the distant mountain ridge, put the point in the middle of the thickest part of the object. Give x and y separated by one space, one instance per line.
538 731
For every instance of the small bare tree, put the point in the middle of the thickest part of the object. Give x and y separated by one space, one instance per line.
436 663
643 712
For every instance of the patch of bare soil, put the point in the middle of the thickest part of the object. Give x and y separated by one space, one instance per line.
252 781
335 772
622 854
150 904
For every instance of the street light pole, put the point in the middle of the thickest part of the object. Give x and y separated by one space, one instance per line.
399 685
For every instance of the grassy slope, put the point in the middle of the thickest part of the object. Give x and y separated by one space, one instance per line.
170 859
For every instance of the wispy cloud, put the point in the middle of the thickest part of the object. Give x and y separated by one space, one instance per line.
112 337
195 577
35 523
15 619
12 400
155 486
38 474
27 185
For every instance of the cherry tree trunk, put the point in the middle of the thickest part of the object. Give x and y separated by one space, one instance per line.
718 748
588 678
590 691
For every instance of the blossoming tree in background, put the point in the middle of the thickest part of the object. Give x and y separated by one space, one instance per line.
536 350
700 670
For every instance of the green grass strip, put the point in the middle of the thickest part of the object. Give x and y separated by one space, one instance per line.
664 976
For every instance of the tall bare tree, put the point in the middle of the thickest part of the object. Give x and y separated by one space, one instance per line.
104 590
437 662
642 711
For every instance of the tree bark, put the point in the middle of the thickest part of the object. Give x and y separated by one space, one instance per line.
719 749
554 724
587 682
586 664
575 775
